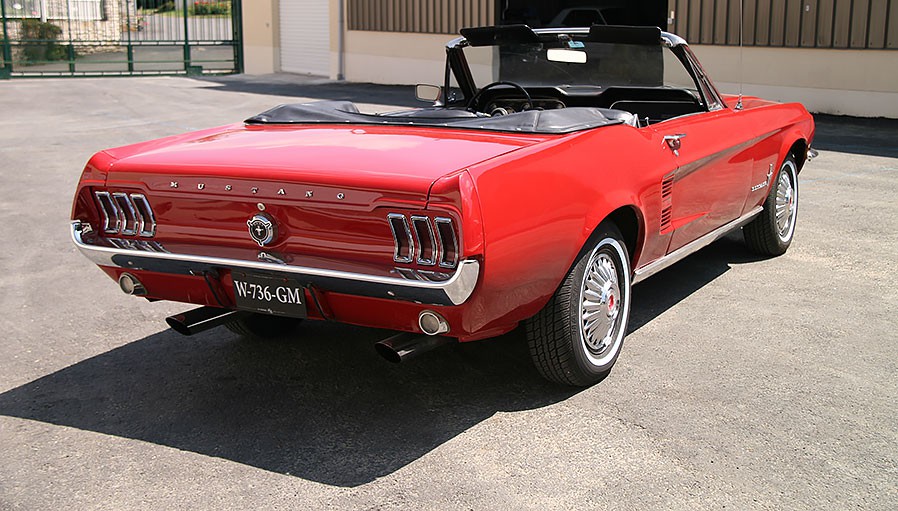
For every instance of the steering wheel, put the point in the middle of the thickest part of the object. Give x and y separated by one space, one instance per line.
476 97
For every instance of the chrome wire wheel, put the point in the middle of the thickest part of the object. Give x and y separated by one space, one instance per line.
576 338
771 232
604 307
786 201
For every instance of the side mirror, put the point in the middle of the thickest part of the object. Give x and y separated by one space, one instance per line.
429 93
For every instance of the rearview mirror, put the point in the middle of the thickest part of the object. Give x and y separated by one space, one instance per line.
568 56
429 93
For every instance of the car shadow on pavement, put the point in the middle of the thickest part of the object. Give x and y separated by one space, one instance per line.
323 407
659 293
855 135
318 89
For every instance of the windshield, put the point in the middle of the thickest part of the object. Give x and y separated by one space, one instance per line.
578 63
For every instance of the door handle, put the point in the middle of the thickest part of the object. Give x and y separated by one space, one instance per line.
673 142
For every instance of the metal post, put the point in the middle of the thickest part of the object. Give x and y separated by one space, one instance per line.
130 50
341 44
237 25
71 49
186 40
6 70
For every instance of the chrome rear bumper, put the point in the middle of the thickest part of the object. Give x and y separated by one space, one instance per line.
408 286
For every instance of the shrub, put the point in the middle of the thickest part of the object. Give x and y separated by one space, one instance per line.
166 7
44 46
204 7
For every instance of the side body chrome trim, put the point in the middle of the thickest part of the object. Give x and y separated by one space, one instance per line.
688 249
454 291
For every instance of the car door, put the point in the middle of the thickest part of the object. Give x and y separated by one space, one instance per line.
713 173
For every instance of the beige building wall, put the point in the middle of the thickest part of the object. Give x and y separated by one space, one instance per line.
392 58
261 37
406 58
850 82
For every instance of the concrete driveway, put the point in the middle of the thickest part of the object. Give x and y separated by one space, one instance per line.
744 383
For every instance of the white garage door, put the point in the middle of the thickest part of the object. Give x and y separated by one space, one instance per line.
305 36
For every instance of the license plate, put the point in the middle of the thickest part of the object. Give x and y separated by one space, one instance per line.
270 295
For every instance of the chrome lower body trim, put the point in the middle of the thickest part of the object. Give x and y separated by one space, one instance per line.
454 291
690 248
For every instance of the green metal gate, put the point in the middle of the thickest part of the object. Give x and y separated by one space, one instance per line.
120 37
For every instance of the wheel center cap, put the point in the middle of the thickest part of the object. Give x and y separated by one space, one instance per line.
611 303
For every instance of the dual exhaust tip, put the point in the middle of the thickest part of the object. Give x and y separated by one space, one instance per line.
406 346
398 348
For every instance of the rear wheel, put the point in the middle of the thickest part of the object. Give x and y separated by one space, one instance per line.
771 232
576 338
264 327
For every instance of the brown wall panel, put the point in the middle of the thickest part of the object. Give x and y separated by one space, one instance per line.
777 22
762 28
859 12
842 24
793 22
694 20
892 27
805 23
809 12
733 18
681 17
825 10
879 12
706 23
749 22
720 19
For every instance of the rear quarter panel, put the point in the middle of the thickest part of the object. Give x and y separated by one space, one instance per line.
540 205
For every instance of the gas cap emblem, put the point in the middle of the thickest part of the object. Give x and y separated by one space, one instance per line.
262 229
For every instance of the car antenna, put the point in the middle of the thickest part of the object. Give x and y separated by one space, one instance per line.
739 105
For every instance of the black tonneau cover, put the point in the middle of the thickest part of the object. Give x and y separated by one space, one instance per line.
563 120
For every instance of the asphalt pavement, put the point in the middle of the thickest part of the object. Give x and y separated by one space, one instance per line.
745 383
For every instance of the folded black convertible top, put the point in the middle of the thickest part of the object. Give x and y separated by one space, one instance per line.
559 121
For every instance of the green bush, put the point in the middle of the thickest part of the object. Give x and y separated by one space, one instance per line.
41 45
166 7
204 7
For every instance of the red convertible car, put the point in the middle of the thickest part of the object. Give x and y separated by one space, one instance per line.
555 169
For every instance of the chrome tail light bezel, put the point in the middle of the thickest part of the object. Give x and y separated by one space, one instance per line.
126 214
403 241
109 211
425 241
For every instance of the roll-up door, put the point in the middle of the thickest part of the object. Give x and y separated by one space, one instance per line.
305 36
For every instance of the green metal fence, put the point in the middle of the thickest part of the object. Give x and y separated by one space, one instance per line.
119 37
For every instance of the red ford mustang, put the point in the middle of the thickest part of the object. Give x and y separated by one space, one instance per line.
555 169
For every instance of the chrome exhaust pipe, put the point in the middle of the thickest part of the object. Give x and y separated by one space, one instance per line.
204 318
406 346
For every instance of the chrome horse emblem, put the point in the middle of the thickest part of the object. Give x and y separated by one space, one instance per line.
261 229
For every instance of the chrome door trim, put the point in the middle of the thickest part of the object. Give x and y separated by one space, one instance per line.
692 247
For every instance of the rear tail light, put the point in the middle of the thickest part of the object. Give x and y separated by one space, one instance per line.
403 241
126 214
424 241
448 241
